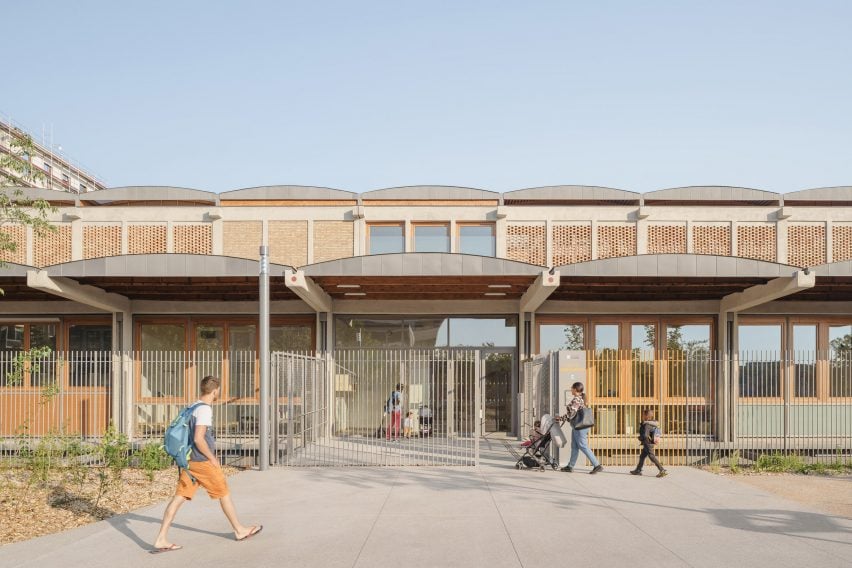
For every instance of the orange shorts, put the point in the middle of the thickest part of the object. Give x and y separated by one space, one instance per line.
207 476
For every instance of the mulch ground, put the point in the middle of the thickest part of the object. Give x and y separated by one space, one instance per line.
30 509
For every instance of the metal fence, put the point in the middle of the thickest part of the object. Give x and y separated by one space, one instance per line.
710 407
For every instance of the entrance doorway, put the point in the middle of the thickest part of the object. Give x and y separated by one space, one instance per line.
498 369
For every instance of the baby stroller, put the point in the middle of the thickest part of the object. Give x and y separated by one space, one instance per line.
537 454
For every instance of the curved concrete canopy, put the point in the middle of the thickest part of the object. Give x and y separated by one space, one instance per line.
838 193
287 192
422 264
839 268
571 193
678 266
162 265
10 269
711 193
430 192
149 193
51 195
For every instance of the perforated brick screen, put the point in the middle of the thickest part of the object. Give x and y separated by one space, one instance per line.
146 239
571 243
756 241
101 240
17 234
616 240
52 247
666 239
806 244
711 239
841 242
526 243
193 238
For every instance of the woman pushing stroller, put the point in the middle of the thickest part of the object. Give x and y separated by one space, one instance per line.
579 438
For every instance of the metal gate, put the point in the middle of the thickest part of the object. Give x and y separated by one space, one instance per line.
377 407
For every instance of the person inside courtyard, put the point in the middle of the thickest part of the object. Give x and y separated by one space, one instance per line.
394 412
204 471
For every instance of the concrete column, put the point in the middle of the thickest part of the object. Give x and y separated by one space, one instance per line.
408 245
170 237
123 380
734 247
125 238
641 237
829 241
454 238
548 236
781 241
500 228
76 240
594 240
689 247
360 237
311 241
217 233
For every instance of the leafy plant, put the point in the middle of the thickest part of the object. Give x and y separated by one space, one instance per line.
152 458
112 452
30 359
779 462
734 462
714 461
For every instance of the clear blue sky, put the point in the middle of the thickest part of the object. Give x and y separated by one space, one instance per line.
498 95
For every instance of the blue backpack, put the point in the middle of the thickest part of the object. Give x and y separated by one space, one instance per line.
178 442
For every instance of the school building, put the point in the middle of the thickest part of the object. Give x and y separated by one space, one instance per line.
728 310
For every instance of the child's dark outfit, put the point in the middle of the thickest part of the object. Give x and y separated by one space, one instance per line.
646 436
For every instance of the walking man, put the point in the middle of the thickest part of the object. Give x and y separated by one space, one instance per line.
206 471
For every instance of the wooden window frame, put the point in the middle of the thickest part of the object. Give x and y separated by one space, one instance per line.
783 386
66 342
26 378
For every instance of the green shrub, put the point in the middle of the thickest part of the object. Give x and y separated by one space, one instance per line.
152 458
734 462
779 463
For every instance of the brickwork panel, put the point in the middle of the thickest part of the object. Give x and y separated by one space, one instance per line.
193 238
757 241
711 239
841 242
52 247
806 245
147 239
616 240
667 239
242 239
571 243
16 234
526 243
288 242
333 240
101 240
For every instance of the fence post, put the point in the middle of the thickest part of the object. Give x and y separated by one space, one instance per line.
480 404
264 358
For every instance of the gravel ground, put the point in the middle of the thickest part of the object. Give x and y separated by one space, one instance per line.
30 510
829 493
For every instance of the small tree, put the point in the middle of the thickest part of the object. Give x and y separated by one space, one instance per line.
16 170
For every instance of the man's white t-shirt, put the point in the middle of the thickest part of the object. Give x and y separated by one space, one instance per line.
203 414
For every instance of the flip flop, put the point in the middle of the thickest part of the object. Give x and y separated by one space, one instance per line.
254 531
169 548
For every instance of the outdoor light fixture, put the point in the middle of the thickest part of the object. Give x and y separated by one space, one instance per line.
212 216
499 285
495 294
355 294
68 217
348 285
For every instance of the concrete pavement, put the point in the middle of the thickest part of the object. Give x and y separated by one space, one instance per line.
493 517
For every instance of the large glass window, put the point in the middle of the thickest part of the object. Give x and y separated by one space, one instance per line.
431 238
242 341
90 355
760 360
386 239
291 338
11 343
477 239
209 350
17 338
607 364
840 365
552 337
804 357
163 363
688 354
643 340
425 332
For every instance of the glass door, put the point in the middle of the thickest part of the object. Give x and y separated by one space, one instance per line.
498 368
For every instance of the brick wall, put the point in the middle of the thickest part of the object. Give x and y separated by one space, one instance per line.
667 239
52 247
146 239
101 239
806 244
757 241
242 238
527 242
288 242
711 239
841 242
333 240
17 235
193 238
571 243
616 240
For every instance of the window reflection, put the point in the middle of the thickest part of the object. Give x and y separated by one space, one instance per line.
688 354
424 332
386 239
432 238
840 354
760 361
552 337
804 357
163 348
607 363
477 239
643 339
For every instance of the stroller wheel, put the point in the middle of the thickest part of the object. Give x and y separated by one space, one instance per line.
541 468
555 466
518 466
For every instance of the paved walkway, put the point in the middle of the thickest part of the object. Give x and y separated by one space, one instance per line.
493 517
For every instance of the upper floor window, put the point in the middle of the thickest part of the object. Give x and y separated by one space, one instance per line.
386 239
478 239
432 238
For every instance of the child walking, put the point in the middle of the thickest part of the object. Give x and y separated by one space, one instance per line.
649 432
406 425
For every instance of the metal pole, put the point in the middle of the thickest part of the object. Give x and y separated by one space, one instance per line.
264 358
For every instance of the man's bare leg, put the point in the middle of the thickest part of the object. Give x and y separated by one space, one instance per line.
169 516
240 531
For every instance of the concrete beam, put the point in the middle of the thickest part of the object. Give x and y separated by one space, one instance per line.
308 290
772 290
545 284
80 293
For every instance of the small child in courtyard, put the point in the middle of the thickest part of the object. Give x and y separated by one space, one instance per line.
406 425
535 434
649 436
